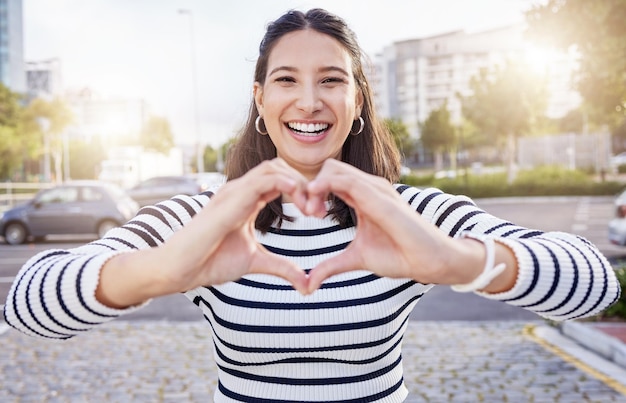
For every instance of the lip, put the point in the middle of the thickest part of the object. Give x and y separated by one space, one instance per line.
309 139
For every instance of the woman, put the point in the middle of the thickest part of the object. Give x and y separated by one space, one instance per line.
308 261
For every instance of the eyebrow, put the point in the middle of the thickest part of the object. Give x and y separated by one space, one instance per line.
322 70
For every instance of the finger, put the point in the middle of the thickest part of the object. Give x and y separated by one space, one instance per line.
367 194
294 184
246 195
265 262
315 204
344 262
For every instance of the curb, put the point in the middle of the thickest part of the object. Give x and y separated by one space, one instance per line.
585 359
602 344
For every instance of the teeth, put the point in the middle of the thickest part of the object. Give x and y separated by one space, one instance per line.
308 129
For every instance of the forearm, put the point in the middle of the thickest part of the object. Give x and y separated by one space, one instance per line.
467 261
131 278
560 276
53 296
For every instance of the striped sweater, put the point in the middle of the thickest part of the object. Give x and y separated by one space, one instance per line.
343 342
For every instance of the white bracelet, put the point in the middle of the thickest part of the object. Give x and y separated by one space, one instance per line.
489 272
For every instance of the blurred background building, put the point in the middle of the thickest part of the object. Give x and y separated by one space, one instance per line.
43 78
11 46
416 76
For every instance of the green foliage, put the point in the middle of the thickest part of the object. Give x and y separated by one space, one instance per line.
57 117
437 132
13 145
10 151
401 136
572 122
505 100
550 180
10 110
420 181
210 159
475 186
618 309
54 111
156 135
542 181
212 162
85 159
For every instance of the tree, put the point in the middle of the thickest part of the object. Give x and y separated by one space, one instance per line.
15 144
210 159
86 157
156 135
505 103
401 136
438 134
596 31
572 122
58 117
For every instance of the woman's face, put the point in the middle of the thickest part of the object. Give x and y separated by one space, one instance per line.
309 100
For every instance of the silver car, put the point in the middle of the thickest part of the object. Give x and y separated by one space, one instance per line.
159 188
76 207
207 180
617 226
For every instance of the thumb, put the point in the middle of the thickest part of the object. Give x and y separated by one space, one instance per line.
344 262
265 262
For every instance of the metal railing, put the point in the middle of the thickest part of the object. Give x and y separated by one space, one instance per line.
12 193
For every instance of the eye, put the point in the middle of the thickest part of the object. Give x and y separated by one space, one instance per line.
285 79
333 80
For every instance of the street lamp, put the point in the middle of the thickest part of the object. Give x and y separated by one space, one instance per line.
44 125
199 156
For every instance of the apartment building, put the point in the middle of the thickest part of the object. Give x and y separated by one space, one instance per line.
414 77
11 46
43 78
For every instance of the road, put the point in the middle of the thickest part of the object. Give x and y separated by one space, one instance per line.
585 216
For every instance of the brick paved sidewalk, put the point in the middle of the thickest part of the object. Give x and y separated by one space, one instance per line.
172 362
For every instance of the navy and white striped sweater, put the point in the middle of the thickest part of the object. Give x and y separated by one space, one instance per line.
342 343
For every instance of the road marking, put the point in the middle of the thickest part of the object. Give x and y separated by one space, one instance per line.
531 331
6 279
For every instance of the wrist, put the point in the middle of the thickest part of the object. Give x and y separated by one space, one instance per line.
130 279
498 266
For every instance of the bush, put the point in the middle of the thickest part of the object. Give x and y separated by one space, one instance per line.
542 181
618 309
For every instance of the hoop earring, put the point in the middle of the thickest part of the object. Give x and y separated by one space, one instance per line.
257 125
361 127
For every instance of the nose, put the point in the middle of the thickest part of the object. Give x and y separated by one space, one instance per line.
309 100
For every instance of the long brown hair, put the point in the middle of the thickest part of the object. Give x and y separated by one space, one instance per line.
372 151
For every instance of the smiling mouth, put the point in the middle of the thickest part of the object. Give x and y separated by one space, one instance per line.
308 129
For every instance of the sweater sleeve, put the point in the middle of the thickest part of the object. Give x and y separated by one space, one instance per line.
53 295
560 275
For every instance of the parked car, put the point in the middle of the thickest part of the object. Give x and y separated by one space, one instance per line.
619 159
207 180
159 188
76 207
617 226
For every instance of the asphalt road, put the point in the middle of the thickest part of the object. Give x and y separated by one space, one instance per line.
585 216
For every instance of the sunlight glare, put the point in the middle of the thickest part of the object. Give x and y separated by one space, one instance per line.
540 60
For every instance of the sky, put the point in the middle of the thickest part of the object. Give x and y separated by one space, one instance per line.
145 49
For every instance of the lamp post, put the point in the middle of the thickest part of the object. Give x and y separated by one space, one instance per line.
199 156
44 125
